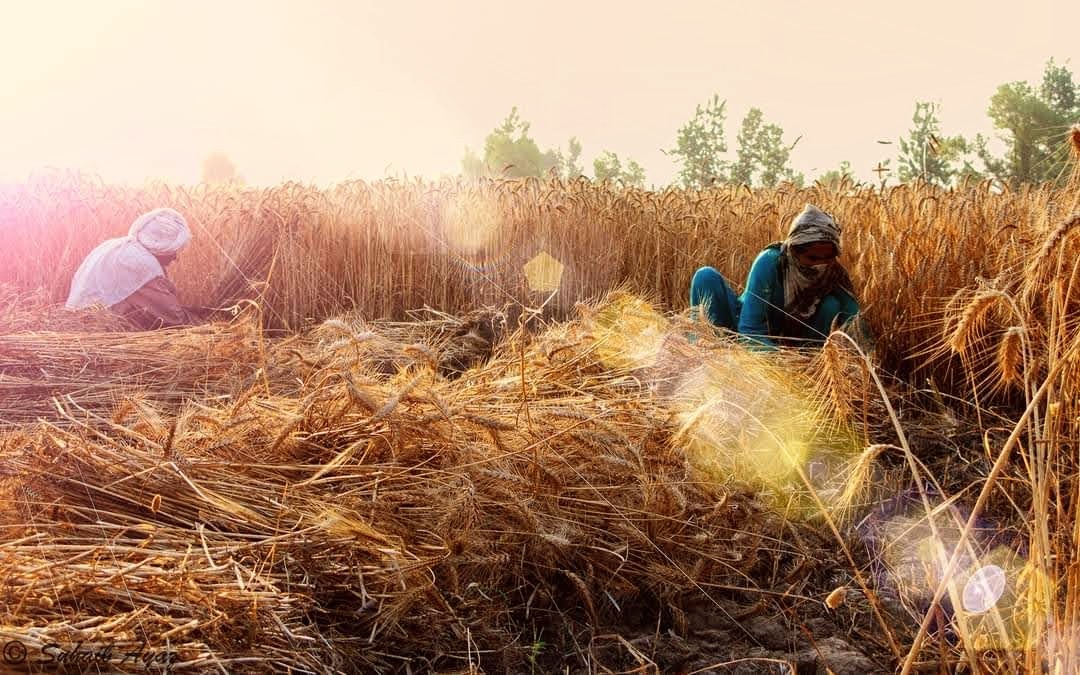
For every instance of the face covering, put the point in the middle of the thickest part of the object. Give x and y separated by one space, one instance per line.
812 271
805 285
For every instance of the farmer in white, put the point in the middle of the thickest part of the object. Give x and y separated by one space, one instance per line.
127 274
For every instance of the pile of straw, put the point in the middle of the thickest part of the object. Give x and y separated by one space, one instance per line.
24 311
96 360
452 344
369 520
97 371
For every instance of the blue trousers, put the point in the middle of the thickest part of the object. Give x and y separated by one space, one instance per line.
709 290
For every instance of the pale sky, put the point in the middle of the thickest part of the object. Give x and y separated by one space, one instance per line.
321 91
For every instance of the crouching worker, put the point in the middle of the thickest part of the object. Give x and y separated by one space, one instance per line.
127 274
795 293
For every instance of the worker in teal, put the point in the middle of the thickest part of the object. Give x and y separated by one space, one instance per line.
795 294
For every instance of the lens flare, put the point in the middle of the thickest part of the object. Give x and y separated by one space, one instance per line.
1000 599
990 592
984 589
471 224
543 273
629 333
743 415
740 414
472 233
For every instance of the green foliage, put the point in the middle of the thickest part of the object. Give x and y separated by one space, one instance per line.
928 155
700 145
472 165
570 164
762 157
832 179
608 166
1059 91
510 151
1033 123
535 649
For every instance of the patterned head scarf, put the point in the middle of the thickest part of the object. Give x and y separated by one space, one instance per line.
805 286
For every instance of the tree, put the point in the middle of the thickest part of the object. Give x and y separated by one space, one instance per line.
762 157
929 155
608 166
832 179
1033 124
1060 91
472 165
510 151
570 164
1017 109
700 145
217 168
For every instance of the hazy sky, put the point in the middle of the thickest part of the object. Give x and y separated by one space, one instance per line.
322 91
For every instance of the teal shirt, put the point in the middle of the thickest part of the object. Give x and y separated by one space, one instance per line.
761 304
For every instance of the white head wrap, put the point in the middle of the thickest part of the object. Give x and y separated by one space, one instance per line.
119 267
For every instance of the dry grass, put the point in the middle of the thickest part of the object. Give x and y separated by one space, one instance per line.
96 371
382 249
373 489
25 311
1019 332
368 517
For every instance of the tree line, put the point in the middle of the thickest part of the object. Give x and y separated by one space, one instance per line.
1032 122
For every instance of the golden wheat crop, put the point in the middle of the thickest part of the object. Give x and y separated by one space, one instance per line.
340 493
388 247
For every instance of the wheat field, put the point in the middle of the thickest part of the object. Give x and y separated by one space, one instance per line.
385 248
391 451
